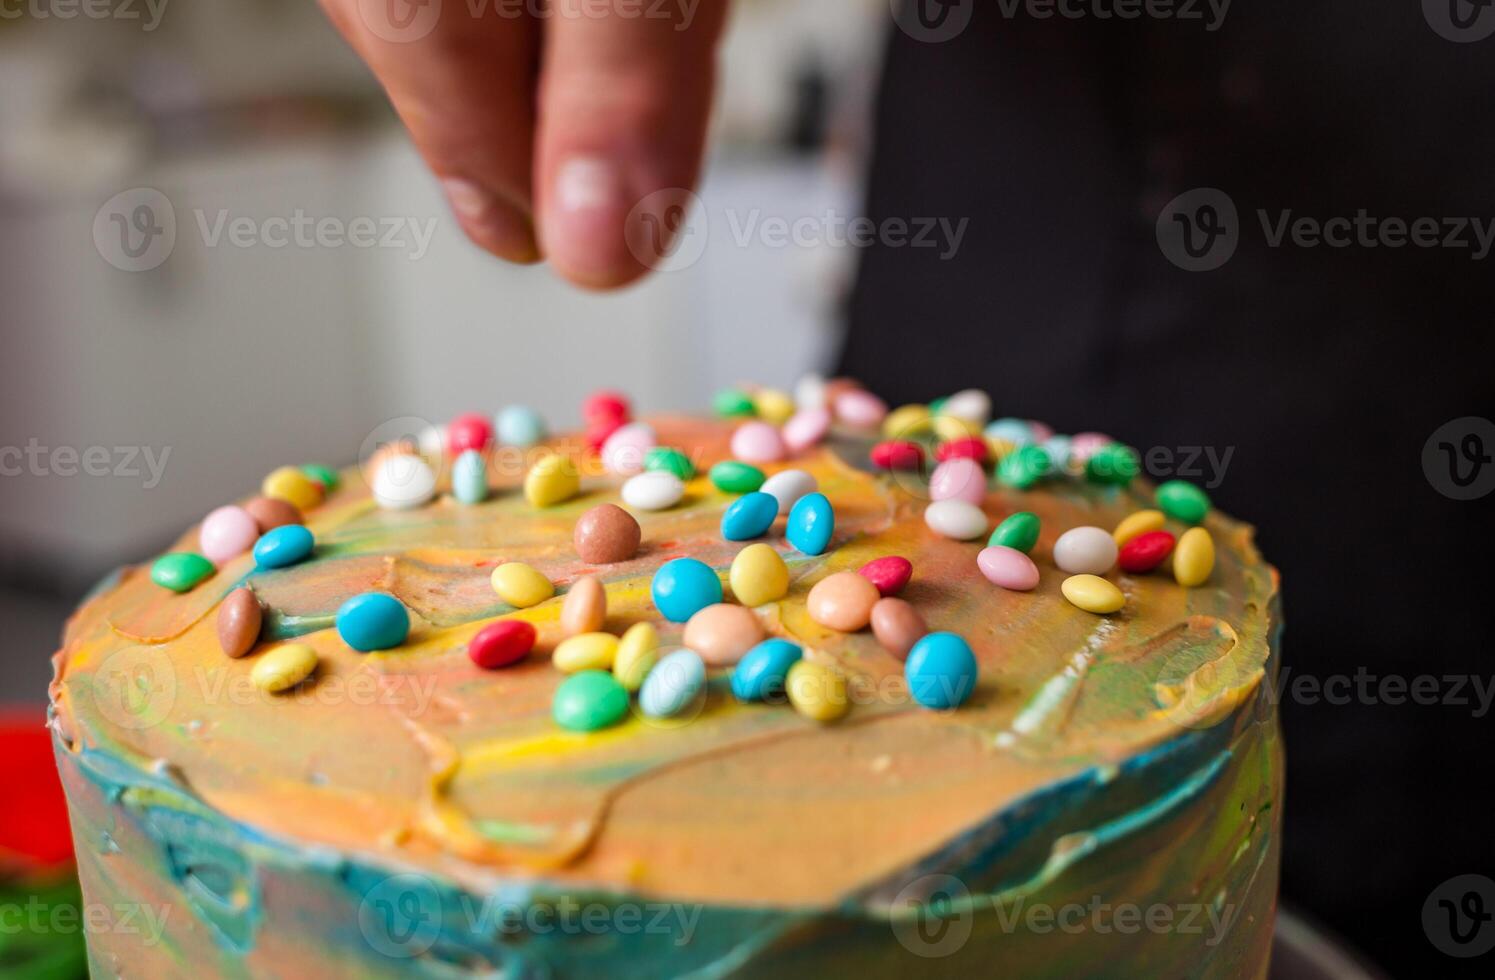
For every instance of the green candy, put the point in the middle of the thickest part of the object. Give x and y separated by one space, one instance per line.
1183 501
730 476
937 406
1113 465
1018 531
664 459
733 404
1024 466
589 700
181 571
325 475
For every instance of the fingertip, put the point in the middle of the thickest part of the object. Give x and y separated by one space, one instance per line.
493 224
583 226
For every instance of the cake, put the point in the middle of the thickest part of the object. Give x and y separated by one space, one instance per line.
1106 800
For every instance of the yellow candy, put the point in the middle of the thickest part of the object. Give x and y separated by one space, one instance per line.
294 487
816 691
1093 594
552 480
520 585
906 422
947 427
589 651
999 447
637 654
1134 525
283 667
758 575
1194 557
773 406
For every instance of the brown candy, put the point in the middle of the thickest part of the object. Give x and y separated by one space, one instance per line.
584 609
606 534
842 601
239 620
270 512
722 633
897 626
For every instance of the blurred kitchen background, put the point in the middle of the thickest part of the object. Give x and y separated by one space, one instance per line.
235 360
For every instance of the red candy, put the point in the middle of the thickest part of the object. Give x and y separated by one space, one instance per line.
598 432
889 574
1145 552
469 431
897 454
603 407
500 644
968 447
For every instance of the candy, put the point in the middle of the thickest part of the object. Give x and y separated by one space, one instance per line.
757 442
673 685
1183 501
637 653
325 475
226 534
731 476
667 459
605 406
653 491
1018 531
1194 557
1085 550
584 610
284 667
1113 465
958 479
1084 445
905 421
470 477
733 404
889 574
588 701
722 633
749 516
598 433
624 450
239 620
955 519
373 621
402 481
897 454
1093 594
842 601
973 405
1059 450
967 447
897 626
788 487
763 670
1023 467
758 575
521 585
1041 432
585 651
271 513
1008 567
1145 552
941 671
773 406
552 480
860 409
284 546
816 691
812 521
1014 431
501 643
683 587
1136 524
431 441
806 428
948 428
520 425
468 431
294 487
607 534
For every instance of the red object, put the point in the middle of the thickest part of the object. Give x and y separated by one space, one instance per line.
889 574
602 407
597 433
469 431
34 821
898 454
500 644
967 447
1145 552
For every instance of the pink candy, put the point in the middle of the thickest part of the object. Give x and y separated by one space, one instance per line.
226 534
1009 568
757 442
958 479
1087 444
806 429
860 409
623 452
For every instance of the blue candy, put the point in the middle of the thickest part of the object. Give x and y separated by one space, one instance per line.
941 671
811 524
470 477
373 621
684 587
520 425
282 546
750 516
673 684
1012 430
762 671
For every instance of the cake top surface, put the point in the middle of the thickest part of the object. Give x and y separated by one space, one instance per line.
419 757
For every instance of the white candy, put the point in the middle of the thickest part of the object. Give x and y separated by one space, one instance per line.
432 441
956 519
1085 551
623 452
972 405
788 486
809 392
656 490
402 481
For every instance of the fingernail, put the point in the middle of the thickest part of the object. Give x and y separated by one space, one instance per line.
491 222
588 184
